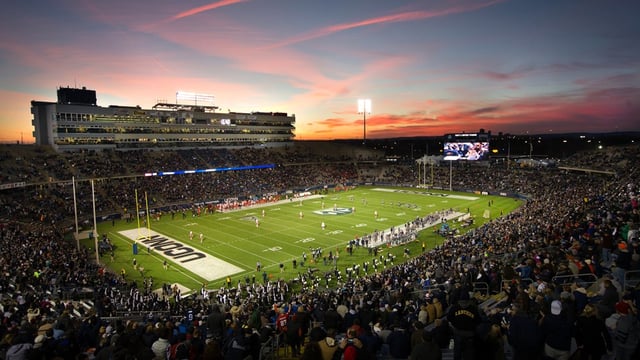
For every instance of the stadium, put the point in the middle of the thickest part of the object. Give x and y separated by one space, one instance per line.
112 250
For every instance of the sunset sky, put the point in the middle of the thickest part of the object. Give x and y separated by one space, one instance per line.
429 67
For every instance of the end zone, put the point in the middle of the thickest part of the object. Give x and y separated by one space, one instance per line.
200 263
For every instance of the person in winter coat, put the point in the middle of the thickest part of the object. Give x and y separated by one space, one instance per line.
592 336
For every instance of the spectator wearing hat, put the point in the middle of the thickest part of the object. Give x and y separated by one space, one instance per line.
557 332
626 334
592 335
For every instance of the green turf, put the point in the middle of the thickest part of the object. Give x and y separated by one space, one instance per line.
283 235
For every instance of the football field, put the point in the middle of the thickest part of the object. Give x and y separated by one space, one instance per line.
204 250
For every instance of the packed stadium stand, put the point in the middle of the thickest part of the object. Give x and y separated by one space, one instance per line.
561 272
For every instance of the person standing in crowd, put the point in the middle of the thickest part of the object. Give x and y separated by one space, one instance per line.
427 349
523 334
464 317
216 323
294 334
399 342
332 319
608 300
312 351
626 334
305 321
622 262
417 335
238 344
160 346
351 346
557 333
328 345
592 336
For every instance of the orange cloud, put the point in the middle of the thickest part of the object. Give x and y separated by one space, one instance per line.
15 121
556 113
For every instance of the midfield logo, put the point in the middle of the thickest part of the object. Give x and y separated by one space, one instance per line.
336 211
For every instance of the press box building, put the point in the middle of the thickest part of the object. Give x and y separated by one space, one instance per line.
75 123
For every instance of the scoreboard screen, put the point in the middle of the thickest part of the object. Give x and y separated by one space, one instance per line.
470 147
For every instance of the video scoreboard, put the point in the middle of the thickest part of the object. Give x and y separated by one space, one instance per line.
466 146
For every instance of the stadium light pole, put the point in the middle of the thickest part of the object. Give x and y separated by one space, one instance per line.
75 212
364 107
509 153
95 225
450 175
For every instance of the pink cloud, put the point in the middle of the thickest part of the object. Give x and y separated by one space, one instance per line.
203 8
392 18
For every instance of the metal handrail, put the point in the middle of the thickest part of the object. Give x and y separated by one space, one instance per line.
631 279
526 281
482 287
584 278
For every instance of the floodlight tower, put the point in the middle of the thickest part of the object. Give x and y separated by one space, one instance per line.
364 107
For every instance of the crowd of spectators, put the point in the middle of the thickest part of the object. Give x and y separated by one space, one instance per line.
559 268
